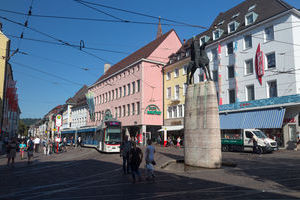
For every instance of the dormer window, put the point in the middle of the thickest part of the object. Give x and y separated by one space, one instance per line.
219 24
232 26
236 15
251 7
250 18
204 39
187 53
217 34
178 57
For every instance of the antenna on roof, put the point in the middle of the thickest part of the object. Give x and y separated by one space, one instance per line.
159 30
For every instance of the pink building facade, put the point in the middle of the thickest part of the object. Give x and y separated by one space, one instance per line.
132 90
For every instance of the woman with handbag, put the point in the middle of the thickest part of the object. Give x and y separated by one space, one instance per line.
149 158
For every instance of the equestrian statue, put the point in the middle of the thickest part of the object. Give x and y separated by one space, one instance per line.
199 59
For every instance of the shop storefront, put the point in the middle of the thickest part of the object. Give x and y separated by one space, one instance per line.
277 117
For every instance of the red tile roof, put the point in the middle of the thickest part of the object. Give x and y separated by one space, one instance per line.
143 52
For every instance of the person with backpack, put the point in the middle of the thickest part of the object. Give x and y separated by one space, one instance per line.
124 152
30 148
12 148
135 159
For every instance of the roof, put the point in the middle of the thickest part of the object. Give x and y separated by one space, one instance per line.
264 8
80 94
143 52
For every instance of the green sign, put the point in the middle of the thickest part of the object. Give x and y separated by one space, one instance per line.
152 110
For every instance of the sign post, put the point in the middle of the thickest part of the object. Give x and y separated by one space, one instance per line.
58 123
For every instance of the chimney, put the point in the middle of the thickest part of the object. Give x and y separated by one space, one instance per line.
183 41
106 67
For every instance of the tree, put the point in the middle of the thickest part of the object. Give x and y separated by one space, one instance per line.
23 128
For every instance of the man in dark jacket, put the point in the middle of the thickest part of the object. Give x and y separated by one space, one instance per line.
135 158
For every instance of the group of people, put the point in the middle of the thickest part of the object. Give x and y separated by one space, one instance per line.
24 145
133 156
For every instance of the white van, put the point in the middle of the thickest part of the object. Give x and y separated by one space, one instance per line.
241 140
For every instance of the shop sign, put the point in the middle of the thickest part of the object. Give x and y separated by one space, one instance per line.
289 120
259 64
152 110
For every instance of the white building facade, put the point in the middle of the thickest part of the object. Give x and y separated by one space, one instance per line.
264 96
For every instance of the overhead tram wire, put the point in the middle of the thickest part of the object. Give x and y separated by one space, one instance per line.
25 25
93 19
141 14
54 38
50 74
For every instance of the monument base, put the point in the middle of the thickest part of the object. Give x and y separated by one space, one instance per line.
202 138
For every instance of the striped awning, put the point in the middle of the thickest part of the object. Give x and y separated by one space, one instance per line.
264 119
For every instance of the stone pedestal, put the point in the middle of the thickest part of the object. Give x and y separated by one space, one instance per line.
202 138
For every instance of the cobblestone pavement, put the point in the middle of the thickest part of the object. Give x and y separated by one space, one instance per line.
88 174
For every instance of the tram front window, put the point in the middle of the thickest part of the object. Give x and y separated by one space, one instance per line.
113 136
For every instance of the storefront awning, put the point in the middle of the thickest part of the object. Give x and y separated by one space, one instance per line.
171 128
264 119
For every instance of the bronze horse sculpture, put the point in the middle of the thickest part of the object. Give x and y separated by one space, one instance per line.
199 59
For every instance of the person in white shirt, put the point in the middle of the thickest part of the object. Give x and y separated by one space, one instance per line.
37 144
149 158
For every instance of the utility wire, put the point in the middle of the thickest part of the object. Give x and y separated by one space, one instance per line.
93 19
141 14
102 12
54 38
50 74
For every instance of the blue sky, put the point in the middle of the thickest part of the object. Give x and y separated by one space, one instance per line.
49 74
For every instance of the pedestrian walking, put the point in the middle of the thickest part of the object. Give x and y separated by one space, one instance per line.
135 159
37 144
12 148
65 144
71 142
150 162
22 148
255 146
298 140
79 141
49 147
124 152
45 144
178 142
30 148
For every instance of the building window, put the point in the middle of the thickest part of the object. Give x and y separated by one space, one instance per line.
138 85
176 92
175 111
168 75
232 26
116 112
250 18
184 69
133 109
201 77
180 111
176 73
129 89
214 53
124 111
117 93
120 111
187 53
248 41
169 112
230 48
138 108
100 99
112 95
249 67
215 76
230 71
120 91
250 92
133 87
184 89
109 96
204 39
272 89
169 93
269 34
105 97
124 90
271 60
231 96
217 34
128 109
